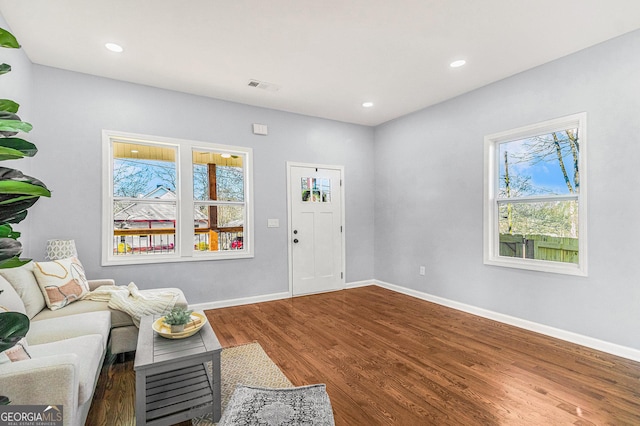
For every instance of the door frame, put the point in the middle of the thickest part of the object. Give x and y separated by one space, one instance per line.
291 164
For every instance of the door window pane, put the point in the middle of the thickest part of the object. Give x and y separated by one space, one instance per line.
316 190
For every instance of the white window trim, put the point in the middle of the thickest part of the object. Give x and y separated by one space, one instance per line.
491 182
184 180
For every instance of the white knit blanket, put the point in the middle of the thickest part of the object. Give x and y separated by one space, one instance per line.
134 302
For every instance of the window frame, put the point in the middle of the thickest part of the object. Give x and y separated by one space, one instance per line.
491 234
185 203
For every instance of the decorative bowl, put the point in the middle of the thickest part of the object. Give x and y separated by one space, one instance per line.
164 330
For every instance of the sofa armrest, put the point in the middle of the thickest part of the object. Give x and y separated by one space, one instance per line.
93 284
50 380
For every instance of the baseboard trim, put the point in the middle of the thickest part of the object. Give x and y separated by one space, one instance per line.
263 298
241 301
356 284
590 342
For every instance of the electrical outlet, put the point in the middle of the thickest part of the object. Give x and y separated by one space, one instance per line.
423 270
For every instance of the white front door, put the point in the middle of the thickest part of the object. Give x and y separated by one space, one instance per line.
315 227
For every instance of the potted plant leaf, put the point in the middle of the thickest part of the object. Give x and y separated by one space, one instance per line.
18 192
177 319
13 327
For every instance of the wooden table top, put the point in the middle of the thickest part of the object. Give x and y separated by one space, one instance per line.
154 350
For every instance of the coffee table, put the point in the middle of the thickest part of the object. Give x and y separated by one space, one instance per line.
173 383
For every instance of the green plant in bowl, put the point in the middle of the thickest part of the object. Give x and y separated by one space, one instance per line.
177 319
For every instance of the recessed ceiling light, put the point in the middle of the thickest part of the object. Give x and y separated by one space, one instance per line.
134 151
458 63
225 155
367 104
114 47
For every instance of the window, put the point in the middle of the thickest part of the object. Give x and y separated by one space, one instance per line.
535 197
169 200
316 190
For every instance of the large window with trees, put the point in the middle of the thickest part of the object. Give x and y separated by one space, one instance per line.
168 200
535 197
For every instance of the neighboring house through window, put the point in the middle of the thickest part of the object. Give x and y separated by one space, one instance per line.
168 200
535 197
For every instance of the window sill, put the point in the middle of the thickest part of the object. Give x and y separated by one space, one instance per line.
198 257
538 265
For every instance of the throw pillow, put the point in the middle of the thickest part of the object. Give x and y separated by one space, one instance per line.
25 284
9 298
19 352
61 281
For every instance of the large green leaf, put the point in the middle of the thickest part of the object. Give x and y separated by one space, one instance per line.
5 68
13 215
9 105
9 248
10 199
10 153
13 327
6 231
15 126
16 212
14 262
26 188
25 147
8 40
14 183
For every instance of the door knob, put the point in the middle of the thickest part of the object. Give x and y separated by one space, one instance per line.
295 240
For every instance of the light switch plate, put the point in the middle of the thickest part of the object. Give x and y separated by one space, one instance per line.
260 129
273 223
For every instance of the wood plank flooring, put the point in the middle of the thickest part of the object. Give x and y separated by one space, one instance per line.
390 359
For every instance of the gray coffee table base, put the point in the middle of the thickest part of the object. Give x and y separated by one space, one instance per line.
173 383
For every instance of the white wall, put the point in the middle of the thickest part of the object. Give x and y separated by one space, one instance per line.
429 208
72 110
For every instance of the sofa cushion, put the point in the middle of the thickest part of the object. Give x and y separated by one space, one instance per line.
62 281
70 326
25 284
118 318
89 351
9 298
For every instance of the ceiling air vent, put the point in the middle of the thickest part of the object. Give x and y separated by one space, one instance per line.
264 85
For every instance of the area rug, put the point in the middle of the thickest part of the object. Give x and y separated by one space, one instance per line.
248 365
305 405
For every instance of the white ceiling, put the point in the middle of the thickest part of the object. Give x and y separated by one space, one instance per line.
326 56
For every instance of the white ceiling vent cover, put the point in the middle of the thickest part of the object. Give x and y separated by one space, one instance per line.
263 85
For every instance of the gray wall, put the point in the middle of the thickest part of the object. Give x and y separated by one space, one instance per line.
71 111
429 207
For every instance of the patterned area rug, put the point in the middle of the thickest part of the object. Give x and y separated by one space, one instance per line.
306 405
248 365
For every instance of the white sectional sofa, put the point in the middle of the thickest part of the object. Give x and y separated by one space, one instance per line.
67 346
124 334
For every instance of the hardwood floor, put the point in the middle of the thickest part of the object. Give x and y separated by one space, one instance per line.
388 358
